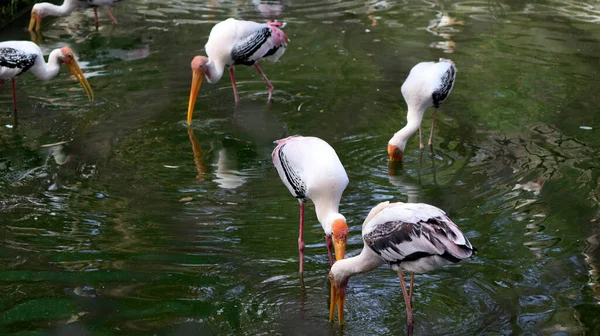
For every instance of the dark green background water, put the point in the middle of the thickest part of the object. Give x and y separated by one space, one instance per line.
93 238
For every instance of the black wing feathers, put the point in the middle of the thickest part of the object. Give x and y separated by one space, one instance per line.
242 53
443 91
13 58
291 176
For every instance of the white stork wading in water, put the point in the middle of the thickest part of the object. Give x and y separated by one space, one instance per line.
43 9
233 42
427 85
18 57
411 237
311 169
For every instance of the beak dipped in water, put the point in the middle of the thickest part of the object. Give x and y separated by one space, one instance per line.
76 70
338 298
197 76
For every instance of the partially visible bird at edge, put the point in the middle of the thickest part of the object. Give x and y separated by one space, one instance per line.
236 42
43 9
18 57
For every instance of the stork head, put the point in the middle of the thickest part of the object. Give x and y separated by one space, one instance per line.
339 231
338 277
67 57
38 12
396 147
199 67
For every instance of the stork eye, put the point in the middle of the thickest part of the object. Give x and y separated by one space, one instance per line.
396 151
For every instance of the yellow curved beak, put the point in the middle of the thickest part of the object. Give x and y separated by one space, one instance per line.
338 298
197 76
76 70
35 23
339 246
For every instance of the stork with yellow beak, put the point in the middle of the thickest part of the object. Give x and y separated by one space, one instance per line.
17 57
43 9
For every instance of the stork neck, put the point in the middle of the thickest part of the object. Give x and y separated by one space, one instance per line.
214 71
367 260
327 211
414 117
65 9
46 71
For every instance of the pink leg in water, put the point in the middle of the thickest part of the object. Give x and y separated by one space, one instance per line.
301 238
96 16
409 313
110 14
266 80
329 242
235 93
412 283
14 92
432 126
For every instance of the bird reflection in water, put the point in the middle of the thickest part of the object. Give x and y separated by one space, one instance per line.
443 26
225 176
268 8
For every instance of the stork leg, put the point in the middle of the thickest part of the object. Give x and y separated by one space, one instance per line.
412 283
420 139
111 16
409 314
329 243
14 92
235 92
96 16
266 80
432 126
301 238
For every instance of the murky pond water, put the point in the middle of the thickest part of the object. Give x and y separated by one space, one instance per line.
94 238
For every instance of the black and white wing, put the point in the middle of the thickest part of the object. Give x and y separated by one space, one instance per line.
415 237
446 70
256 41
289 170
14 62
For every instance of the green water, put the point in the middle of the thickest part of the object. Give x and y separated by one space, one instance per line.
94 239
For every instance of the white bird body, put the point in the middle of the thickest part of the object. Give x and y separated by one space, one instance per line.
233 42
310 169
412 237
17 57
428 84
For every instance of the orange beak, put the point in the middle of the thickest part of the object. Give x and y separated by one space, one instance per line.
76 70
395 153
197 76
35 23
338 298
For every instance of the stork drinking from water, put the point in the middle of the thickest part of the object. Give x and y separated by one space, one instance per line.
18 57
233 42
310 169
43 9
410 237
428 84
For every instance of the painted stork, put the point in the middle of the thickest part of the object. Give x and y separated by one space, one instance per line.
411 237
17 57
233 42
310 169
43 9
427 85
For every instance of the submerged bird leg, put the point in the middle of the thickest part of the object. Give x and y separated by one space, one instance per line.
110 14
14 92
409 314
96 16
301 238
412 283
432 126
329 243
235 93
266 80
